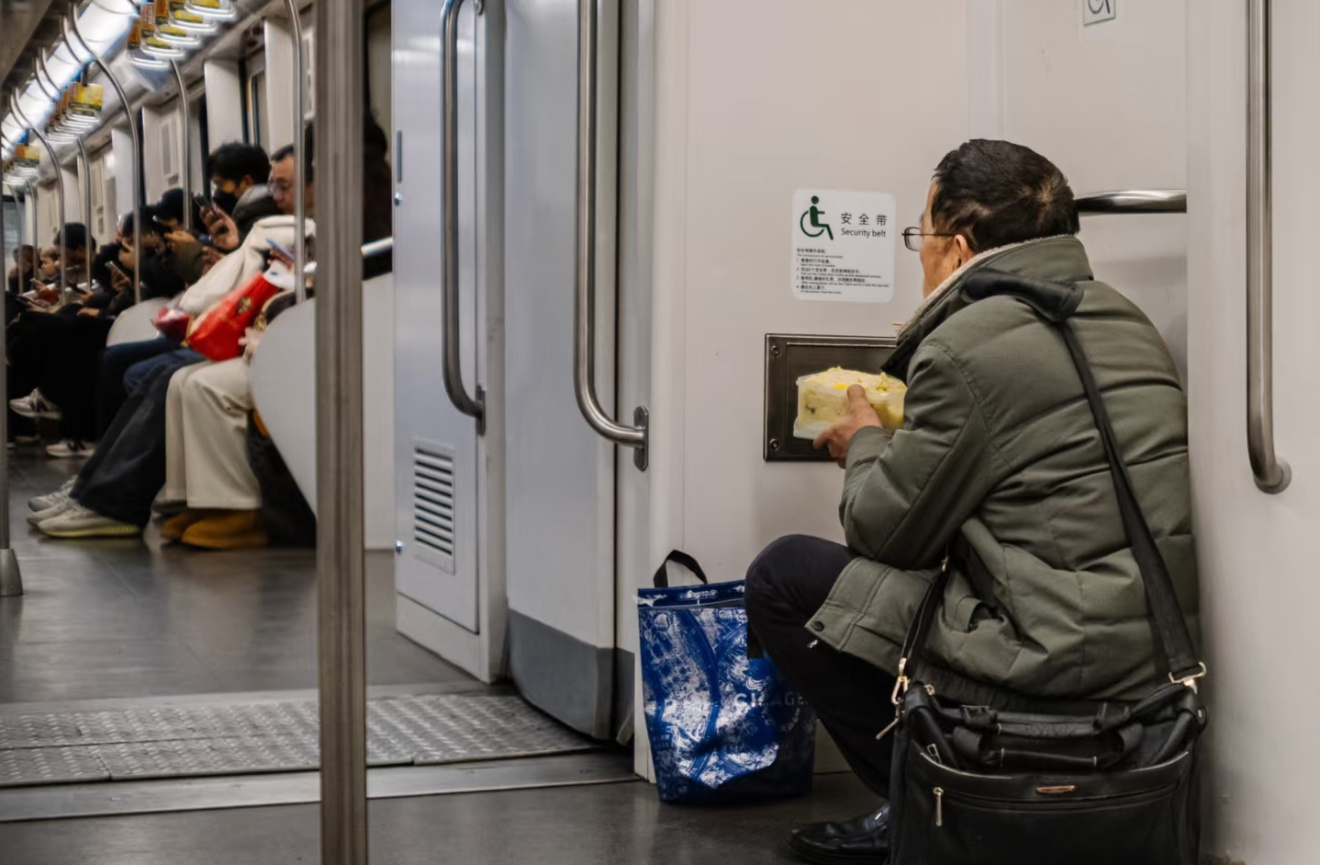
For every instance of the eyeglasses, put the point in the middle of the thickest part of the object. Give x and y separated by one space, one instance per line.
912 237
279 187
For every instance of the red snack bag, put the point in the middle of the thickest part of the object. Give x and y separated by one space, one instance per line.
216 333
172 322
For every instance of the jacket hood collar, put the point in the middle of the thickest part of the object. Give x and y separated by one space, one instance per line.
1041 266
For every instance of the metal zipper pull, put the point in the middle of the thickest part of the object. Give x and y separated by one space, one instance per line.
887 730
939 807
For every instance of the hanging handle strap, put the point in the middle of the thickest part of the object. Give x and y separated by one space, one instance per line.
678 557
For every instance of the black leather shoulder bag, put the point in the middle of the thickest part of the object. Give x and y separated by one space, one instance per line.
976 786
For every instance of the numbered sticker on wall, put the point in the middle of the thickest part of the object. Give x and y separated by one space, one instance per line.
1098 11
843 245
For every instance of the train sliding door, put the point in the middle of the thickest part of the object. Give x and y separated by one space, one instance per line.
560 475
448 577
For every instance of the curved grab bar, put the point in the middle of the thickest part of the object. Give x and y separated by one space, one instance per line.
185 142
472 406
59 184
1272 474
584 296
1134 201
134 133
88 253
299 150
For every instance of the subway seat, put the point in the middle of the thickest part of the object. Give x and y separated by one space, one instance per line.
283 383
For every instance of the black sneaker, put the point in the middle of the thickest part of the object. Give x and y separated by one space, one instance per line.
861 841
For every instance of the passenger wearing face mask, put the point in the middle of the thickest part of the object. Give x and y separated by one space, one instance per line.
239 175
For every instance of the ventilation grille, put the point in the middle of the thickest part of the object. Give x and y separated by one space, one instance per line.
433 501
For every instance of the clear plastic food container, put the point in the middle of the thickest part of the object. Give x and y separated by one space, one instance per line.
823 399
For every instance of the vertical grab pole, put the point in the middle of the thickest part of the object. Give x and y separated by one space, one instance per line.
340 563
135 135
11 578
584 294
185 140
88 254
1272 474
472 406
59 181
299 152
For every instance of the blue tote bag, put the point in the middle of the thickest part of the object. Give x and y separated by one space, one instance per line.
723 727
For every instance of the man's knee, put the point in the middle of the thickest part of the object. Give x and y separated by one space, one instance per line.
768 570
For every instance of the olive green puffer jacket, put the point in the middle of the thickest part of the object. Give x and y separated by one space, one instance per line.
999 460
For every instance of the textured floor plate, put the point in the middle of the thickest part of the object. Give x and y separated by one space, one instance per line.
250 737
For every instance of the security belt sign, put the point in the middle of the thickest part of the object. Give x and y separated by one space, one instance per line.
843 245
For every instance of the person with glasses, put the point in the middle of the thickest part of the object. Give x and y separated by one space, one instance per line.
999 474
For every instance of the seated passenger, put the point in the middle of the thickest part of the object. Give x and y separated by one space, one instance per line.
240 175
207 465
998 468
113 494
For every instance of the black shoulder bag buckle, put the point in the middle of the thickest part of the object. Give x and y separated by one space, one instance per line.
971 785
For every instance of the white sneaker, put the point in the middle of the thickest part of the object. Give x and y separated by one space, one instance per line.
36 518
80 522
35 406
70 448
42 503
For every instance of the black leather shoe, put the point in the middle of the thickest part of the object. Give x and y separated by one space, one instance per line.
861 841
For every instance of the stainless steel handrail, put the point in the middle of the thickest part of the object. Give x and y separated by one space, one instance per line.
340 556
89 254
11 577
1272 473
472 406
134 133
370 249
299 149
54 94
59 183
584 296
185 142
1134 201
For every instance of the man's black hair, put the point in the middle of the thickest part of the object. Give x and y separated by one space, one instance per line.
235 160
287 152
19 250
995 193
170 205
73 236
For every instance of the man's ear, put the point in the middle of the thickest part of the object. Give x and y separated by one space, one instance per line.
965 253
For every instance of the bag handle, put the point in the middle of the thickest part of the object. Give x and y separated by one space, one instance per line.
1173 640
661 578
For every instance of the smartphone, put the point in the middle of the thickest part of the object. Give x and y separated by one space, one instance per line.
200 202
206 240
281 249
114 265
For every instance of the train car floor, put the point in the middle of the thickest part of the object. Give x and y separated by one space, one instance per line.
134 618
589 825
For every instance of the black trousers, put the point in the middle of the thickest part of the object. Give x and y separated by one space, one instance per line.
786 585
127 469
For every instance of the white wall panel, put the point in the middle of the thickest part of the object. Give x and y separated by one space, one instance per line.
224 102
280 78
868 97
1257 553
1107 104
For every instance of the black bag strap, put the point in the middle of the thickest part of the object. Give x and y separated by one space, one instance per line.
1172 637
661 578
1173 641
